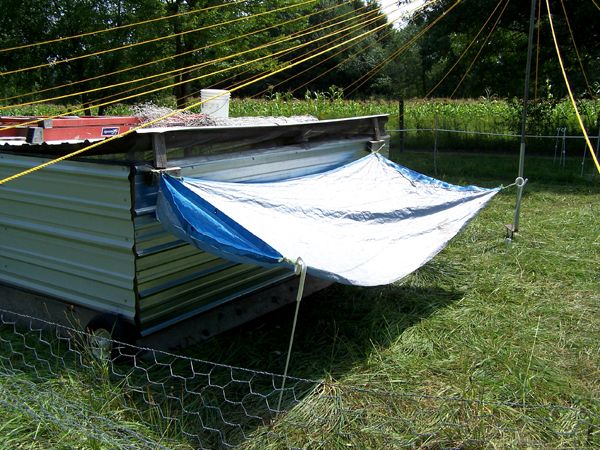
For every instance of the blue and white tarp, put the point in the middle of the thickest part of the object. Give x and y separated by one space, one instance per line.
370 222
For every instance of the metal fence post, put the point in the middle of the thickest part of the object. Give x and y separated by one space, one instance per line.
435 144
598 143
401 123
583 159
563 152
556 145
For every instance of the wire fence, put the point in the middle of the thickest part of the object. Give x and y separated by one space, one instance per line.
568 152
144 398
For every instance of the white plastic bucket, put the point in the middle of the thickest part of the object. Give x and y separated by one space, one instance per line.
217 102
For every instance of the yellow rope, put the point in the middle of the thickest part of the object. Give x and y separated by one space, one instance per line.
121 27
349 58
362 80
160 38
166 58
278 53
201 76
296 74
564 73
448 72
323 73
587 82
485 41
314 28
596 4
147 124
195 67
296 58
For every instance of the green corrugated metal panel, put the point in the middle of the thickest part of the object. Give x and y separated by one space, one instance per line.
185 300
67 232
176 280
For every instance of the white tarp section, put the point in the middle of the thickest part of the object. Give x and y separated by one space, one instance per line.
368 223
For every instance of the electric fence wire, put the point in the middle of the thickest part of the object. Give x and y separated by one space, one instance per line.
484 133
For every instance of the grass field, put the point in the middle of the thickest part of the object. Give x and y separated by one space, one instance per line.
495 339
485 321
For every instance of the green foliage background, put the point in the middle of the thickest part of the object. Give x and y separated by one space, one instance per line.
497 72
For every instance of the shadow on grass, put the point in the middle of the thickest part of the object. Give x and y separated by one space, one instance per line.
337 328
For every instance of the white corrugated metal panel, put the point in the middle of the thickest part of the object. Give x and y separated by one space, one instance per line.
67 232
274 163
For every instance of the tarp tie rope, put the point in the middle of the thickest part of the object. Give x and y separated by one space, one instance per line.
381 147
300 269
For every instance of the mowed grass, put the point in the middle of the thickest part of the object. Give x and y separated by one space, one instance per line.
511 322
480 348
485 320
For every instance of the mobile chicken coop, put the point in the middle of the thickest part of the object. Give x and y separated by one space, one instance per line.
80 238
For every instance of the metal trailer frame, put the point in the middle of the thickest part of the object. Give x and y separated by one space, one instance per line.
79 239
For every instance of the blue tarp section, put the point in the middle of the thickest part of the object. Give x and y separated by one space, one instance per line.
369 222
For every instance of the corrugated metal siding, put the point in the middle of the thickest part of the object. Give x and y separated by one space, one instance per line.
175 280
276 164
67 232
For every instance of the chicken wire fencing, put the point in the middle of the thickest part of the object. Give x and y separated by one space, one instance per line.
142 398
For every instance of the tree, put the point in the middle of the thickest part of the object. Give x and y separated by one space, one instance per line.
500 65
36 21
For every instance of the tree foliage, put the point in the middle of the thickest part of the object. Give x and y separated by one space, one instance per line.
244 39
500 65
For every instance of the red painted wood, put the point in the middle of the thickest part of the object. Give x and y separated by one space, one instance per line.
69 128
